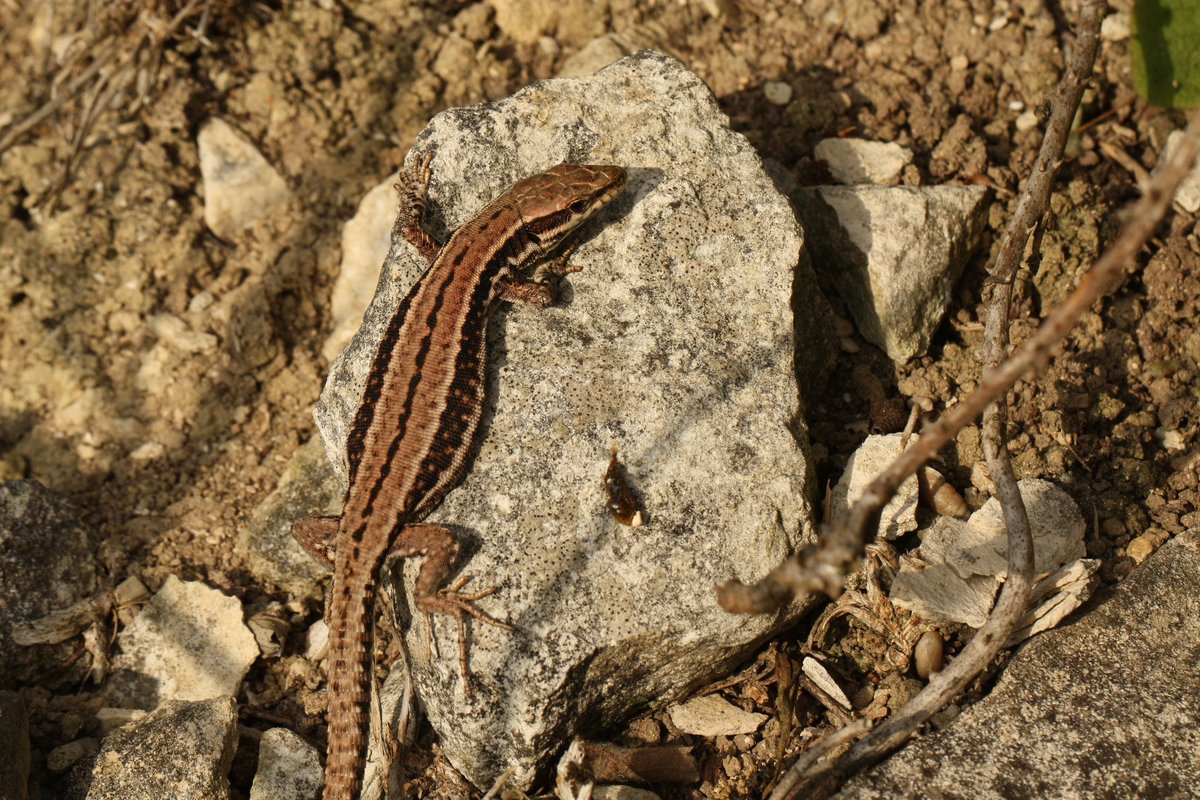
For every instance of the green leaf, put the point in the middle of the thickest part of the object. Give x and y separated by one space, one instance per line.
1166 51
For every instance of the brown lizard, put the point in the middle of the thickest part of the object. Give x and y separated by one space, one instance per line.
409 443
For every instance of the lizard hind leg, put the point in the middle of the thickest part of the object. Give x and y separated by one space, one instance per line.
439 546
318 537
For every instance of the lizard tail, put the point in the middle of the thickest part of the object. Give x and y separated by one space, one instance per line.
349 689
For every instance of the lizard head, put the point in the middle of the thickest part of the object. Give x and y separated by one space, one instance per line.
554 203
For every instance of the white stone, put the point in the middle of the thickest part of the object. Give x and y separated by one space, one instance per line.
1187 196
366 239
955 573
188 643
894 253
876 452
859 161
1116 27
777 93
713 715
240 186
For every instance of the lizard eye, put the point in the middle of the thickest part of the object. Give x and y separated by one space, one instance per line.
579 206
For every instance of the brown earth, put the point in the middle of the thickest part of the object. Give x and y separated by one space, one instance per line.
102 229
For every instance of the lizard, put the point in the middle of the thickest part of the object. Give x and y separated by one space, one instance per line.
414 428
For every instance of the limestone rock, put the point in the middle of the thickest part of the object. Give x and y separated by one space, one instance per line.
46 565
240 186
181 751
859 161
289 768
188 643
676 341
894 253
872 457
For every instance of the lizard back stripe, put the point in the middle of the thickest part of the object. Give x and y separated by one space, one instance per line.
422 401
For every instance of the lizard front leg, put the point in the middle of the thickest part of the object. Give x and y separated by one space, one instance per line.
413 189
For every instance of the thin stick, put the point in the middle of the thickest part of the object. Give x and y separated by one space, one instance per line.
823 567
809 764
991 639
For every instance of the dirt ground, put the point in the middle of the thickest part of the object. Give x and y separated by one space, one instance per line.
102 231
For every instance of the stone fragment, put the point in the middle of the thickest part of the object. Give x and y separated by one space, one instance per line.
817 673
182 751
240 186
175 332
1187 196
955 573
894 254
289 768
876 452
307 487
713 715
701 237
188 643
366 239
859 161
612 47
1074 705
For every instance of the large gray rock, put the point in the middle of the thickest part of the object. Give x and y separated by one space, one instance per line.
47 563
1105 707
676 342
181 751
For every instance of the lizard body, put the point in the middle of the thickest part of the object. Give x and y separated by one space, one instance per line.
412 434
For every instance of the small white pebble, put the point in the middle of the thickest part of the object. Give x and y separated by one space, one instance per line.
997 24
1116 27
959 63
777 93
1027 121
1016 105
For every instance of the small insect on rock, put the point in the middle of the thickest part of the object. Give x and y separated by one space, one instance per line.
621 504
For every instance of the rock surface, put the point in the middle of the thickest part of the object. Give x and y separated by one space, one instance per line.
893 253
366 239
46 565
676 342
1104 707
188 643
181 751
289 768
309 486
240 186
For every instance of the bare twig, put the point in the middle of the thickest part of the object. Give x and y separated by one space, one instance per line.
823 567
810 763
1013 600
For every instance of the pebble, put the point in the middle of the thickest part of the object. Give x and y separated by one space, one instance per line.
777 93
1141 548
